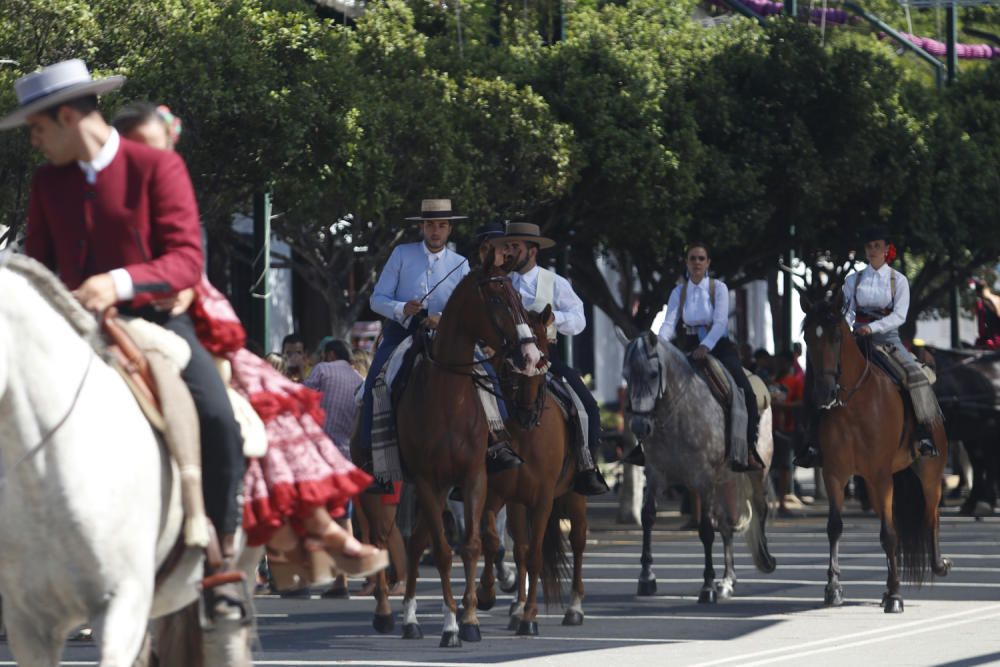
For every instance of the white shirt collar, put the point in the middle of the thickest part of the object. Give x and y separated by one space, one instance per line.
529 275
882 271
103 158
435 255
703 285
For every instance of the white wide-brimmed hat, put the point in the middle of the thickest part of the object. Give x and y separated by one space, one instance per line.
436 209
53 85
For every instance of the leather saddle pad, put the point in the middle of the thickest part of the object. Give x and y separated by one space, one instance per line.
716 377
884 359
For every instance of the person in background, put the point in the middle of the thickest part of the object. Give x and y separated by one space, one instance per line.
796 366
987 316
762 365
786 392
293 351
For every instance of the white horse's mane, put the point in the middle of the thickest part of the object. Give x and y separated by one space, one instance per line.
48 285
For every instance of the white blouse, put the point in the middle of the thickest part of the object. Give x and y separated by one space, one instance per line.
875 293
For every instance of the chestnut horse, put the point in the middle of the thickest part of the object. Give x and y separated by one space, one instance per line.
537 493
866 428
443 433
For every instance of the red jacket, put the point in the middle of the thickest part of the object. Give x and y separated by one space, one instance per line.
141 216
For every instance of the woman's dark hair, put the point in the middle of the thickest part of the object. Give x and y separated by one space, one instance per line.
132 115
698 244
85 105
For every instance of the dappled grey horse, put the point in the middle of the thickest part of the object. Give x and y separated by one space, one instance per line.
683 429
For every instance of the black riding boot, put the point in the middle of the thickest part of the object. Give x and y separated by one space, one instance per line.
590 482
925 442
635 456
807 454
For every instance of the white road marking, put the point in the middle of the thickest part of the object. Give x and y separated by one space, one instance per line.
891 632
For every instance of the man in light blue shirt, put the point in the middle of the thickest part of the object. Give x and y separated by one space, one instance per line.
415 284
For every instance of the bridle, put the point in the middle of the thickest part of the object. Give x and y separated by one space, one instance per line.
45 439
839 401
508 347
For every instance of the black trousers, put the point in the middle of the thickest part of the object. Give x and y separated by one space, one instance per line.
221 440
562 370
725 351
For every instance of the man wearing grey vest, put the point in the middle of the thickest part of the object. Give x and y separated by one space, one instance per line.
538 288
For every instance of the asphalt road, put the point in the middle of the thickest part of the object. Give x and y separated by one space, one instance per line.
773 619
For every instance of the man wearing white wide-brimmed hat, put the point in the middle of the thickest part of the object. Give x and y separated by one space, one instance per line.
540 287
415 284
118 222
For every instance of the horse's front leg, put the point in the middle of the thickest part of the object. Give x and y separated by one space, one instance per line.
881 497
539 523
431 501
486 593
707 534
380 520
647 580
576 508
475 499
414 550
517 524
833 596
930 472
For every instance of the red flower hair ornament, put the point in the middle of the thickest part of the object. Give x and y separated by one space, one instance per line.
890 253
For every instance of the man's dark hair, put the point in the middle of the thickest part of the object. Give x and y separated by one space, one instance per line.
339 348
761 352
85 105
796 348
132 115
291 339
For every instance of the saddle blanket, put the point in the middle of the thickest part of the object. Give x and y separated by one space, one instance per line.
576 417
730 396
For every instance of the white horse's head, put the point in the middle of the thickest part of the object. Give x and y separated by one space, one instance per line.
643 373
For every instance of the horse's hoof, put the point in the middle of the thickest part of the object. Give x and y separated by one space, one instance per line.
484 602
573 617
513 608
450 640
724 590
894 605
528 629
513 623
942 567
412 631
833 597
384 624
708 596
646 588
469 632
885 596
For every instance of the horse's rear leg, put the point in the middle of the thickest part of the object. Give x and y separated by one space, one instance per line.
575 506
930 472
707 535
380 521
32 642
833 596
725 586
647 580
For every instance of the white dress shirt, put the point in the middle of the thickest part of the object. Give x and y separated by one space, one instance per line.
412 272
124 288
711 323
566 305
875 294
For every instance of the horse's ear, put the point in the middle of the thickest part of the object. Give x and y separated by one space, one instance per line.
805 302
547 316
621 335
651 339
838 299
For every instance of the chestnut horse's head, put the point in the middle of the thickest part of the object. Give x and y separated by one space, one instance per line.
491 310
529 398
825 328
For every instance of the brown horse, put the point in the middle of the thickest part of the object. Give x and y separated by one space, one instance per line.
866 427
537 494
443 432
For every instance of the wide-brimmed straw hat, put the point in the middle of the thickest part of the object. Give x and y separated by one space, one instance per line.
527 231
436 209
54 85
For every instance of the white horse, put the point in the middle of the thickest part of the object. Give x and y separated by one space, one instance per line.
89 498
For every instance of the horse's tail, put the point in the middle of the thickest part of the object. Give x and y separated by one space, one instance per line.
555 564
752 494
913 529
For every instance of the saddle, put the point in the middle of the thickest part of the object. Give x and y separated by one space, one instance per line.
896 370
572 410
149 359
716 377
